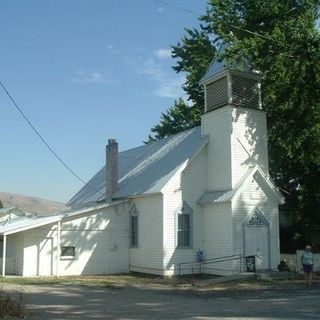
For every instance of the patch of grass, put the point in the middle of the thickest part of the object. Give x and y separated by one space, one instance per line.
10 307
102 281
143 280
107 281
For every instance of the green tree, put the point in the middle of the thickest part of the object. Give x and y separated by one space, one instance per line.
281 40
194 53
177 118
1 205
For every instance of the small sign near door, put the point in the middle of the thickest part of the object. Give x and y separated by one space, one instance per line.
251 264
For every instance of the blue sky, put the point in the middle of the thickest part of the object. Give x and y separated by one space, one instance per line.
83 72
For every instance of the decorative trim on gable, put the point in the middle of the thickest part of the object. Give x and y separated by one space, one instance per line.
257 219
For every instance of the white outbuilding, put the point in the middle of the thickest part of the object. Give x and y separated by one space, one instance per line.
198 201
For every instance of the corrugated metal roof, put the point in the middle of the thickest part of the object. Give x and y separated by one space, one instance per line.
9 213
88 207
31 221
211 197
223 195
26 222
145 169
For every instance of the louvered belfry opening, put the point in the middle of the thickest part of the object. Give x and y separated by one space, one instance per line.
245 92
217 94
233 88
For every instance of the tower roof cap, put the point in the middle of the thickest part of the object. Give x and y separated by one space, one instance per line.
219 65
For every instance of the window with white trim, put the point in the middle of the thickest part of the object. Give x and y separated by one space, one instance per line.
68 252
184 225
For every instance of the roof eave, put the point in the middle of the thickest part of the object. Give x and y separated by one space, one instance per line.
32 226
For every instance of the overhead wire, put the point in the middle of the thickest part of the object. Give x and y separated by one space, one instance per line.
43 140
197 14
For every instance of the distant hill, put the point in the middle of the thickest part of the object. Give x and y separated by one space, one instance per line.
30 204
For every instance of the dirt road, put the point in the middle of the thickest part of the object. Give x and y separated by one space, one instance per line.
294 302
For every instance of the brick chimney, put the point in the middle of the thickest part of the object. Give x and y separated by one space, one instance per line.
111 168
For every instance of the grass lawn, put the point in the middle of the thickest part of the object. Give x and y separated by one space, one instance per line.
142 280
110 281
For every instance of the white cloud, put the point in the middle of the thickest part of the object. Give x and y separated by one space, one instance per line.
162 53
160 9
92 77
168 83
171 88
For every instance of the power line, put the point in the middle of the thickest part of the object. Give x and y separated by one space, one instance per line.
40 136
178 7
231 25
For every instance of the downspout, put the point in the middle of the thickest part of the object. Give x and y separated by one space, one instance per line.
4 255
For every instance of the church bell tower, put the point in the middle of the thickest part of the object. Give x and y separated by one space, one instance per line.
234 85
234 122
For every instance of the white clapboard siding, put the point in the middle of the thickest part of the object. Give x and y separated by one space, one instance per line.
249 141
255 196
217 125
100 240
187 185
147 257
14 253
217 237
10 266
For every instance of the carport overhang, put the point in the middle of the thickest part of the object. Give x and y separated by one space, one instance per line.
33 221
28 223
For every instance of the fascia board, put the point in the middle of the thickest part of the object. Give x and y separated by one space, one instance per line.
33 226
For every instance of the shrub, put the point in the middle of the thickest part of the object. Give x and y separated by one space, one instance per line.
10 307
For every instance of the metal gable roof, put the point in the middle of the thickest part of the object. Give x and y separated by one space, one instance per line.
33 221
211 197
27 222
145 169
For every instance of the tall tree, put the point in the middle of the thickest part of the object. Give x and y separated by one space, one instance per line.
178 118
281 40
1 205
194 53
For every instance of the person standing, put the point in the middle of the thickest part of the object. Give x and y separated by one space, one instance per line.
307 263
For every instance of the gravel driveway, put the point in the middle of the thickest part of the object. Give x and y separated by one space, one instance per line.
81 302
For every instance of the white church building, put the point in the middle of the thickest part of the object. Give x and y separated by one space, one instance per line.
201 194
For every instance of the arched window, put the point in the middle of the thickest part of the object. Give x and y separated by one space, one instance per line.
184 225
134 226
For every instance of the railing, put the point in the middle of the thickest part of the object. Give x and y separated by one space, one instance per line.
196 267
10 266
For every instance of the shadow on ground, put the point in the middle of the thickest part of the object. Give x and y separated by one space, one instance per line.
285 301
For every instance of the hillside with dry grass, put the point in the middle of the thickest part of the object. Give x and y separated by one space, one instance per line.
30 204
